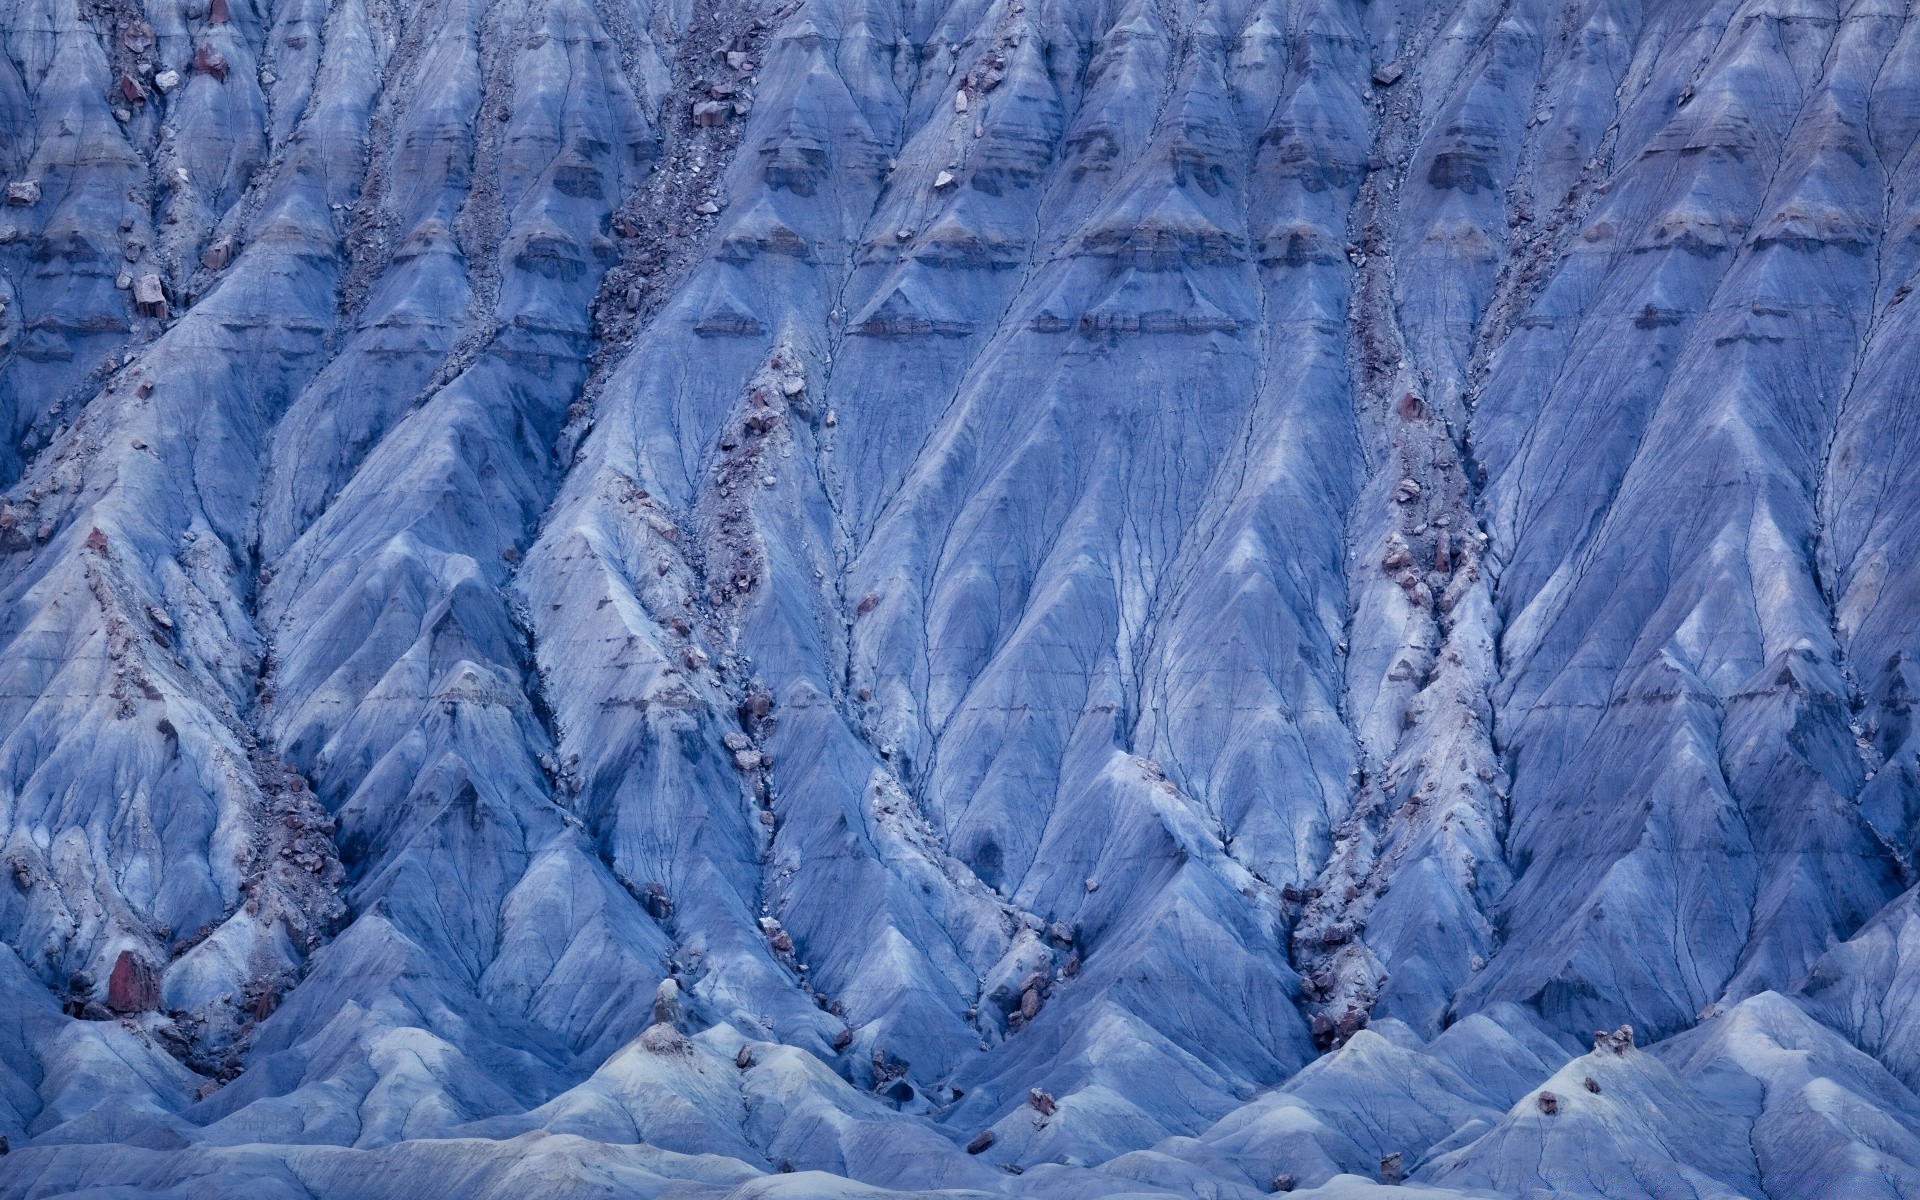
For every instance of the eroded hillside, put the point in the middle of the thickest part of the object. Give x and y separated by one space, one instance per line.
1053 597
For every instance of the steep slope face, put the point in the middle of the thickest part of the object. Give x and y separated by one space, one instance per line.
956 597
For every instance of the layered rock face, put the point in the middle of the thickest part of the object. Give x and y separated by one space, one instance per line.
1062 598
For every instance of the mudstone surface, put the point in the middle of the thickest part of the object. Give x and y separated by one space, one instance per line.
1057 598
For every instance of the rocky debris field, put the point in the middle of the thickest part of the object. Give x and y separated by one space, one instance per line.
1056 598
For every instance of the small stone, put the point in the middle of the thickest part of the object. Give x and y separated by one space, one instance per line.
1281 1183
209 61
166 81
149 297
217 12
134 986
655 900
122 115
960 101
709 113
1392 1168
744 1059
843 1039
23 193
1389 75
1407 492
833 419
1591 1084
1042 1102
666 1002
943 180
217 254
1398 554
1549 1103
706 208
746 760
268 79
767 481
981 1142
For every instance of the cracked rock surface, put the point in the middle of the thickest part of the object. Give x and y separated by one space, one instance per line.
1057 598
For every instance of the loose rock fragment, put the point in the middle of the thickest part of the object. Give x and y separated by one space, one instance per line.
981 1142
23 193
149 298
666 1002
1398 553
209 61
134 986
1392 1168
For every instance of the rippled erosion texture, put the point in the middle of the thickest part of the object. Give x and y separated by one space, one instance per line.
1056 598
